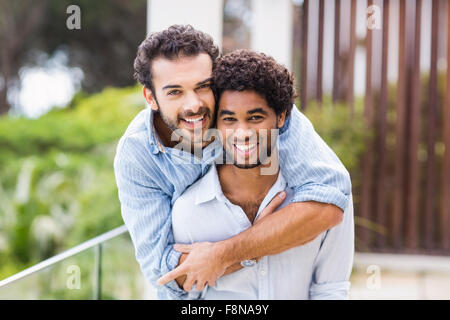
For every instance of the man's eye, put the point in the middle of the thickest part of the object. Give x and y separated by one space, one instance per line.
173 92
256 117
228 119
203 86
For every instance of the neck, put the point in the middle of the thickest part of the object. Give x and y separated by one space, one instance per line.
246 182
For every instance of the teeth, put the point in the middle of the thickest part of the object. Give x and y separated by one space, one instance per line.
194 120
245 147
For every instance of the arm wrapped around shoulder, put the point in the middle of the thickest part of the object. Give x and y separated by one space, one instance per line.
311 168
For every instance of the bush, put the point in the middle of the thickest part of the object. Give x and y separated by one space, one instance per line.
57 185
345 133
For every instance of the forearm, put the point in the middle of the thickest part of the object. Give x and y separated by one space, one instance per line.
291 226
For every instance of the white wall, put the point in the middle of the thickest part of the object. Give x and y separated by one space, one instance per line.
204 15
272 28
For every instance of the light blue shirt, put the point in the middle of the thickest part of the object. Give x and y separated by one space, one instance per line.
150 177
319 269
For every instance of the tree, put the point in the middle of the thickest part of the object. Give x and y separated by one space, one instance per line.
19 21
104 48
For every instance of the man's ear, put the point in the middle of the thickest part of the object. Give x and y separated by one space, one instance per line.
280 119
149 98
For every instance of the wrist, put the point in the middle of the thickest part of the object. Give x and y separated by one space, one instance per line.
224 251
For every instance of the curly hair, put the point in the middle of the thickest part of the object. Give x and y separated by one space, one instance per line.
176 41
249 70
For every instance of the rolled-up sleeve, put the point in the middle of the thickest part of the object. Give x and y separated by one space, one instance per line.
146 213
311 168
333 264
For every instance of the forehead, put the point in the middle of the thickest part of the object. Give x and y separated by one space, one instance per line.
182 71
242 101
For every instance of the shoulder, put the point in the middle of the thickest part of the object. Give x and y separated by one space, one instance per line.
296 125
134 146
183 208
188 199
199 193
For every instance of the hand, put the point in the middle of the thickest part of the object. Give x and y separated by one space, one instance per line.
202 266
271 207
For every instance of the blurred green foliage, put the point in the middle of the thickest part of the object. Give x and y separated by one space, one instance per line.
57 185
347 135
344 132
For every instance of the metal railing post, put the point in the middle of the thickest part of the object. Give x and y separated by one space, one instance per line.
98 273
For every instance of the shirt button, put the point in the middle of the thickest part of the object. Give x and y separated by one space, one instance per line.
262 272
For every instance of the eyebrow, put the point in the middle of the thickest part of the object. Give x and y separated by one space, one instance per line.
171 86
177 86
257 110
204 81
226 112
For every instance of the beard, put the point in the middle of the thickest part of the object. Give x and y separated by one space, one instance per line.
247 166
174 124
171 124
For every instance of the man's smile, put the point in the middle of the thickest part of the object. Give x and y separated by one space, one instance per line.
245 149
194 122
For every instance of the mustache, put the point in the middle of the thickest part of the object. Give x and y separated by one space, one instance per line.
188 113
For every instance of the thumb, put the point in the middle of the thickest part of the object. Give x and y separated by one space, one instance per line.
274 203
184 248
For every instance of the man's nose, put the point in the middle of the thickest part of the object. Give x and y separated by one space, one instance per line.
193 102
244 133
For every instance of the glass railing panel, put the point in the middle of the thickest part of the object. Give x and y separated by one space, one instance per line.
72 278
107 270
121 275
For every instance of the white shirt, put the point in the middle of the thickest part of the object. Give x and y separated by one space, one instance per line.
319 269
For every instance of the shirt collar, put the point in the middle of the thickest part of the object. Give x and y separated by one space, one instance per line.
153 137
288 120
278 186
210 188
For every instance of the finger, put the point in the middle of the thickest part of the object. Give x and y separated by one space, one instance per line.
200 285
188 283
169 276
211 283
275 203
185 248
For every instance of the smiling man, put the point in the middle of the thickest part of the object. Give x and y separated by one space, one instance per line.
226 201
154 166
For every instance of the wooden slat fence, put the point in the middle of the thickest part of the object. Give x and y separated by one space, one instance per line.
405 186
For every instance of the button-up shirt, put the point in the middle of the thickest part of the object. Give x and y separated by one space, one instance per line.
319 269
150 177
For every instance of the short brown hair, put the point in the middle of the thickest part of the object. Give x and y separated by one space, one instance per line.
174 42
249 70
